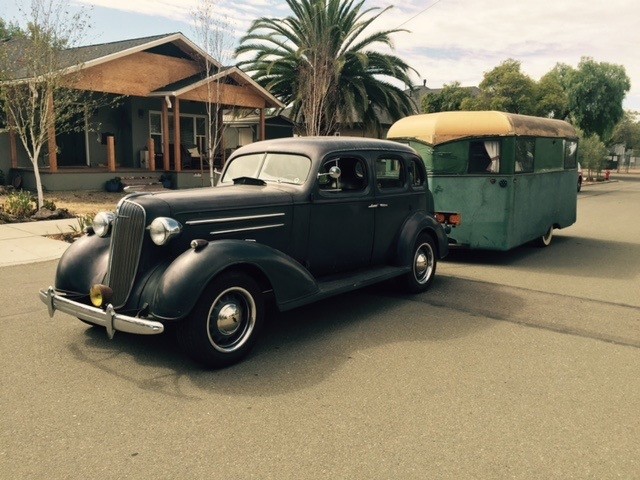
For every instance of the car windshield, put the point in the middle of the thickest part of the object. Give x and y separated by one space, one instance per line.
270 167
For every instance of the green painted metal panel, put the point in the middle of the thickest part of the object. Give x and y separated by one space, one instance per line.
485 208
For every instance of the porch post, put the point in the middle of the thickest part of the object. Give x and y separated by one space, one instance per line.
262 124
111 153
13 148
51 143
219 126
165 134
151 148
176 134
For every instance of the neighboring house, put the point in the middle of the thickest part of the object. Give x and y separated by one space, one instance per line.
418 92
160 78
241 130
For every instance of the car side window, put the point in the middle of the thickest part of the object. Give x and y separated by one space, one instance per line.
416 173
389 173
353 175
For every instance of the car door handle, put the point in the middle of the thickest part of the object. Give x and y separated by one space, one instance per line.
373 205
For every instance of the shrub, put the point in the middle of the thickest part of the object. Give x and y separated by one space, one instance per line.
48 204
84 221
20 204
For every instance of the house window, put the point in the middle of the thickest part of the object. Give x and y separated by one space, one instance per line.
193 130
155 130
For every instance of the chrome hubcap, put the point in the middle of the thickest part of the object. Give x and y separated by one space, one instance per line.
423 263
229 319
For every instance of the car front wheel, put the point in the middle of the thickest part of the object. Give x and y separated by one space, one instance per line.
224 325
423 265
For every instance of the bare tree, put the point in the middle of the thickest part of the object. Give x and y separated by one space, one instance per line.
38 71
214 34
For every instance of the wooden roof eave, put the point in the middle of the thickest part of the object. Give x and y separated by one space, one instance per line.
129 51
271 101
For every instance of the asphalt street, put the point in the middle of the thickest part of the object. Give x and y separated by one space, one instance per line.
523 364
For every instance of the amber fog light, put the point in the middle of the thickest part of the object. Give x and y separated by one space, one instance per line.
100 295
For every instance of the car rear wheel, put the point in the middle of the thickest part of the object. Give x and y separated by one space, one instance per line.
423 265
224 325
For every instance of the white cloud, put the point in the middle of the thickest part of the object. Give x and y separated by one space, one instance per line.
462 39
459 40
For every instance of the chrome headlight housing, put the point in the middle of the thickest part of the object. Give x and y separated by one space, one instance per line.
163 229
102 223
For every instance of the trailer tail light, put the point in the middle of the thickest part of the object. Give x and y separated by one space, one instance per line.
448 219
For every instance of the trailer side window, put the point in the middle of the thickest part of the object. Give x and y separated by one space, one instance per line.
525 150
570 151
484 156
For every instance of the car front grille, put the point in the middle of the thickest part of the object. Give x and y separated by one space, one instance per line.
126 245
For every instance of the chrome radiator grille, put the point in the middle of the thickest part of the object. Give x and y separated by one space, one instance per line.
124 255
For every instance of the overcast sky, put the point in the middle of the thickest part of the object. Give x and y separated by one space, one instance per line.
447 40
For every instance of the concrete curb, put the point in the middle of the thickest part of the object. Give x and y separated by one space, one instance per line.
22 243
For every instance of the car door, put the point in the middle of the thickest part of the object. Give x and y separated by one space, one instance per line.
399 191
341 226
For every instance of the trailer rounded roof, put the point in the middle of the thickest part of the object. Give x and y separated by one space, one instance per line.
442 127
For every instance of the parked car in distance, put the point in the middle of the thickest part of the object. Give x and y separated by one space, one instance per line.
292 221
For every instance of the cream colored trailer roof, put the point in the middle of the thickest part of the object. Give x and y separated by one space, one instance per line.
437 128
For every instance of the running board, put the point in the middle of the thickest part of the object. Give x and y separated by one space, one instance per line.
337 284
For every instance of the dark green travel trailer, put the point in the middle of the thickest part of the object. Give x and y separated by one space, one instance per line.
498 180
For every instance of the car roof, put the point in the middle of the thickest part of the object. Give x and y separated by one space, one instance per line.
321 146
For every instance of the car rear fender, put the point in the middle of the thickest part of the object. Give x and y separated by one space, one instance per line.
416 224
174 291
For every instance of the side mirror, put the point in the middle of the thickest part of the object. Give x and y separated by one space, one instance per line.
334 172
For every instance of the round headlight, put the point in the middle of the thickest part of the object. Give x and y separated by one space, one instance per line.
102 223
163 229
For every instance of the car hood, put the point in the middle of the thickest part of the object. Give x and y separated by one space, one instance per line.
183 203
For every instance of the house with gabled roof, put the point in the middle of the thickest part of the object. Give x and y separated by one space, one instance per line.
158 124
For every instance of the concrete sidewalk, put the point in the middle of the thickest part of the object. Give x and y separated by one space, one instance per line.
27 242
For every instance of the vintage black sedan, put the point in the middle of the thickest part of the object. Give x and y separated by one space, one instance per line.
291 221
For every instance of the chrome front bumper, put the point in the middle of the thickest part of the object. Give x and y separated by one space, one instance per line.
108 318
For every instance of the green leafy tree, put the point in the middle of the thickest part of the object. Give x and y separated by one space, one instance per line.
320 60
505 88
592 153
551 93
450 98
595 91
9 30
627 131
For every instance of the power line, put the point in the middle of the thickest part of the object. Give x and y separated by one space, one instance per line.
420 13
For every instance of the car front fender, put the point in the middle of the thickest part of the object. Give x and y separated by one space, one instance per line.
173 292
83 264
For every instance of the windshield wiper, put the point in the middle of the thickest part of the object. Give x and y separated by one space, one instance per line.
248 181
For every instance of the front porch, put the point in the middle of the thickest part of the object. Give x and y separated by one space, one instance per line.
170 98
66 179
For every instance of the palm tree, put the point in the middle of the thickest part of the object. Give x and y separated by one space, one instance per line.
320 62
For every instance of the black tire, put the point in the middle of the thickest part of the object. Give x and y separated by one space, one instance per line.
545 240
423 265
235 299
